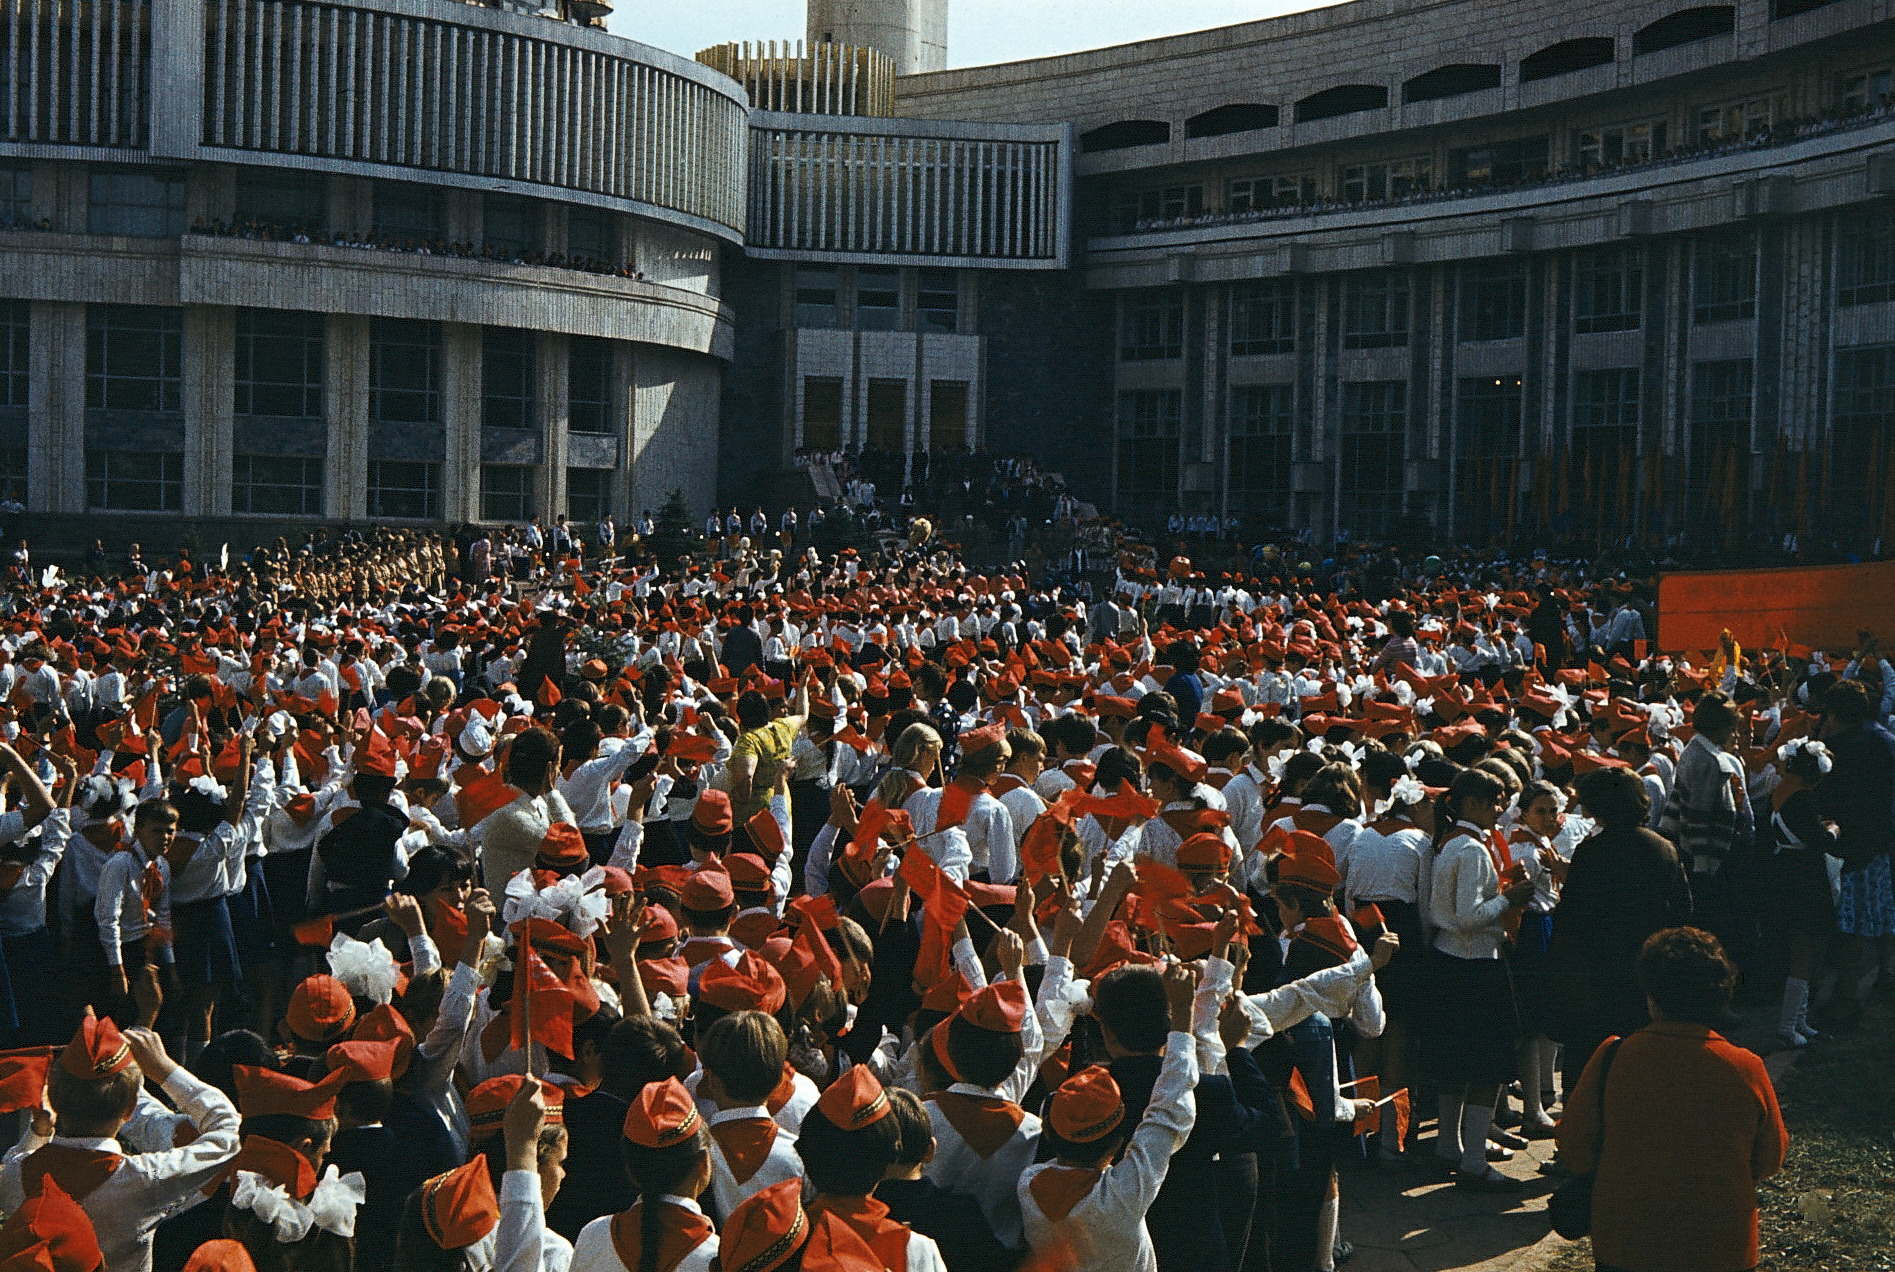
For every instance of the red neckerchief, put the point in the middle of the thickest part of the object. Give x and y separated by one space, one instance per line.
78 1171
745 1143
1007 783
1057 1190
986 1123
679 1233
1317 821
785 1091
869 1220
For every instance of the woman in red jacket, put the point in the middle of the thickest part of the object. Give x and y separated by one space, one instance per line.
1687 1117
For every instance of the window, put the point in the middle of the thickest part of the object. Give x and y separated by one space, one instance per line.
1736 120
14 473
134 481
1259 194
589 385
1621 144
1605 455
1724 278
1124 135
1494 300
510 223
136 202
408 212
1487 426
947 416
822 414
937 300
592 234
404 374
1343 99
1685 27
16 193
1610 287
1380 182
1262 447
888 416
276 485
1149 423
588 494
1167 203
877 300
815 296
1375 309
1566 57
1781 9
1224 120
1503 163
1263 318
15 351
279 363
509 391
1866 91
1606 399
1451 81
506 492
1864 425
1865 265
403 488
285 199
1717 474
134 359
1152 328
1373 455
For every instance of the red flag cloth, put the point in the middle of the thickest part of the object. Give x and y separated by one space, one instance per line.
449 932
810 940
1039 851
541 1009
818 910
691 748
1157 885
849 737
933 888
317 932
957 799
868 827
1126 803
1369 1088
1404 1114
1299 1096
326 703
480 794
1274 841
548 694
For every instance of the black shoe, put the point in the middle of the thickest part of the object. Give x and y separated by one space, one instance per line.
1344 1251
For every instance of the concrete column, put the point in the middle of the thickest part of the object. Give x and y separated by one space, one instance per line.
675 438
549 364
345 416
210 333
552 227
350 204
210 194
56 408
460 415
624 413
465 216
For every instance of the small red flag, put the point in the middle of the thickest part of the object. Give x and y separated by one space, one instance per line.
956 802
1369 1088
548 694
1039 851
1299 1096
1126 803
541 1009
317 932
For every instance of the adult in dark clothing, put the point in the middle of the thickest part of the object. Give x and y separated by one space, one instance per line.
545 656
390 1165
1184 686
638 1051
1622 885
1202 1198
954 1221
1858 794
742 648
357 857
1547 626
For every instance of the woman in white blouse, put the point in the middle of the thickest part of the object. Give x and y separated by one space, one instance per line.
1469 1038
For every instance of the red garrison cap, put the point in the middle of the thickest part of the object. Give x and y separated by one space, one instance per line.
1327 933
711 813
385 1024
854 1100
662 1115
562 847
998 1008
707 890
364 1059
221 1255
264 1092
277 1162
1204 852
764 1231
752 985
1307 860
1087 1107
487 1104
459 1207
320 1009
97 1050
974 741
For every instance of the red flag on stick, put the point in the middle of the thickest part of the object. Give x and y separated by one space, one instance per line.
542 1006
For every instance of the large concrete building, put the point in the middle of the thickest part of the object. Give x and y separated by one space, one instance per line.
1509 268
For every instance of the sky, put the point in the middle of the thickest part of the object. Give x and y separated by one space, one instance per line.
979 31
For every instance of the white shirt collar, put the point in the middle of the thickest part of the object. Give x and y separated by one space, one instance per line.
757 1111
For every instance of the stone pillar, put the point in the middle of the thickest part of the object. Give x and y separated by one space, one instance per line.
210 333
465 216
460 417
210 194
549 367
345 416
350 204
59 196
56 408
624 414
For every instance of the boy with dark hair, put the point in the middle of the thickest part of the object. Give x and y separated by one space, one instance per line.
849 1140
742 1057
952 1221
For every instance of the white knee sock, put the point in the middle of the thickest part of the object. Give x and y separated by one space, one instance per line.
1475 1119
1795 1004
1549 1064
1529 1057
1326 1224
1447 1141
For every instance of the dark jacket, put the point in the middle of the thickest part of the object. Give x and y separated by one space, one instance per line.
391 1171
1236 1114
741 650
1624 885
358 858
1858 794
953 1220
596 1182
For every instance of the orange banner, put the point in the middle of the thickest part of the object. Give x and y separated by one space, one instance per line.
1821 606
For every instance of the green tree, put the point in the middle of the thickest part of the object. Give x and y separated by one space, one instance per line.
673 535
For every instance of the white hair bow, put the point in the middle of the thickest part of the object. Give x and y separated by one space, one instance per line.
206 785
366 968
1810 746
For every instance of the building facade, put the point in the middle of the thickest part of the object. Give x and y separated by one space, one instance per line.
1508 270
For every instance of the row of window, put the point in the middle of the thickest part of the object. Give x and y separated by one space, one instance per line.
1609 288
134 362
276 485
871 299
885 415
151 203
1514 161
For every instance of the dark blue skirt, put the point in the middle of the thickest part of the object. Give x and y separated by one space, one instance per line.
34 958
253 918
204 943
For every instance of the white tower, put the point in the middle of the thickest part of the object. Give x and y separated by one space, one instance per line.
913 32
